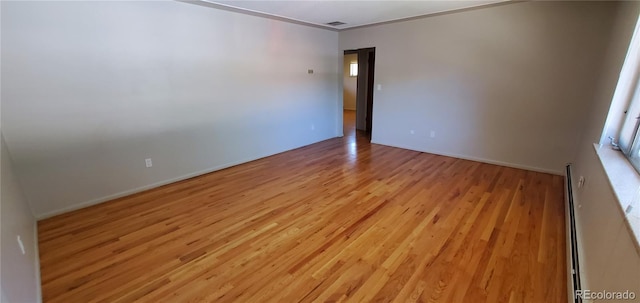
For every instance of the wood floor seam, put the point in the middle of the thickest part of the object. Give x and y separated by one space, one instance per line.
342 220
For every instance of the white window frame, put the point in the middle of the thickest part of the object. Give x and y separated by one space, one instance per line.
628 91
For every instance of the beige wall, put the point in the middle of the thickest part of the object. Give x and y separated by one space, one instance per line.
349 83
19 274
504 84
91 89
608 256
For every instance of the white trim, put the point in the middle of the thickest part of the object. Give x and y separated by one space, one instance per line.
251 12
227 165
625 87
476 159
624 181
140 189
255 13
158 184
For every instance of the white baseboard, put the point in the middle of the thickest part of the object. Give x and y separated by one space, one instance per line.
157 184
227 165
476 159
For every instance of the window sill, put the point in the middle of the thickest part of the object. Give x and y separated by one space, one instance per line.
625 182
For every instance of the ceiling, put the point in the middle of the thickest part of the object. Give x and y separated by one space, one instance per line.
353 13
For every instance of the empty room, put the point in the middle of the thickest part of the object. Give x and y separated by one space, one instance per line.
320 151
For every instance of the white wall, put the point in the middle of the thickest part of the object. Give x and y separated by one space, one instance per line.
91 89
19 274
350 83
504 84
608 256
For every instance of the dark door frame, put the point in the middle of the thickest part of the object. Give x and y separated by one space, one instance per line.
371 61
366 57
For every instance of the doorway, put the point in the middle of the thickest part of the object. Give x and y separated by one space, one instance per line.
359 78
350 88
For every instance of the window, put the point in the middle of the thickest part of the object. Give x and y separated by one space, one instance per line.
627 94
353 69
623 124
629 138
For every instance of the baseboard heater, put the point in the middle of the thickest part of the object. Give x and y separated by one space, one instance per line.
573 266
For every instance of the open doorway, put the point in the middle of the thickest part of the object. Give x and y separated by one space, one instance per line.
359 67
350 89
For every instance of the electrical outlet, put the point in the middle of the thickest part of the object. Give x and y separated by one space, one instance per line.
581 182
148 162
21 246
432 134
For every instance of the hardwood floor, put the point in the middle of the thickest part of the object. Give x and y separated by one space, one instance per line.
340 220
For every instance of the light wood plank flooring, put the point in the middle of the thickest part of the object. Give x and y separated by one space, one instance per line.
340 220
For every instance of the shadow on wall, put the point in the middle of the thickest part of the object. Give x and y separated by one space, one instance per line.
90 90
492 84
20 280
92 169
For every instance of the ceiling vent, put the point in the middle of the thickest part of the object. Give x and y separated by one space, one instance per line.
336 23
